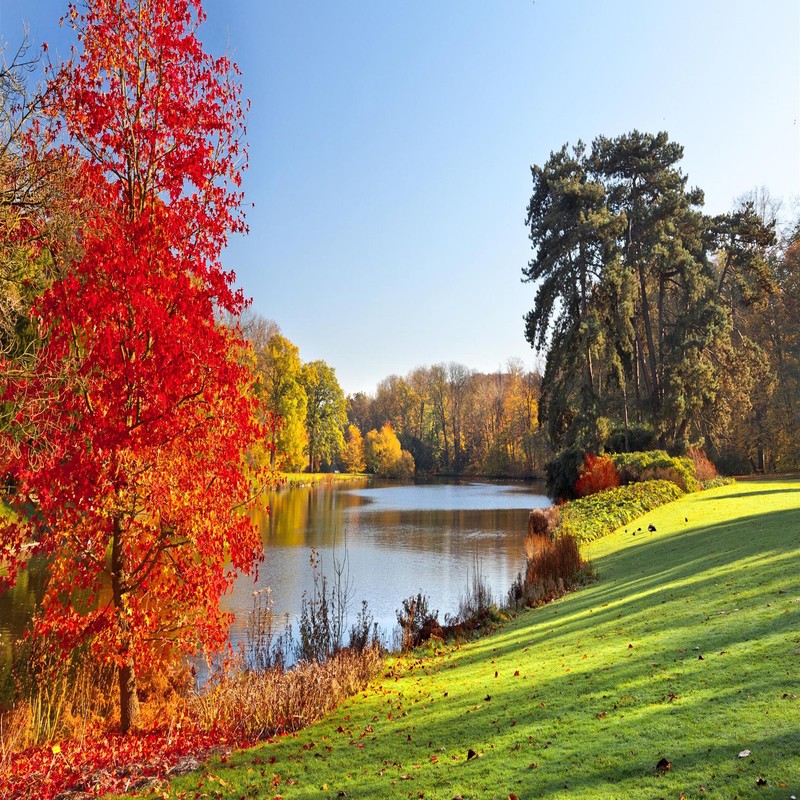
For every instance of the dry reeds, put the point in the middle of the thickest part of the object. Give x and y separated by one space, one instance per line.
57 696
251 705
552 567
550 560
543 521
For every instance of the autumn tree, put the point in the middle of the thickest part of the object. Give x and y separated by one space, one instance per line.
138 494
353 452
385 457
281 393
326 413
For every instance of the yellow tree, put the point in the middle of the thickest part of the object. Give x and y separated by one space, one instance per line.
385 457
353 453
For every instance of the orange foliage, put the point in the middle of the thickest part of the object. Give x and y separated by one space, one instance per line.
704 467
596 474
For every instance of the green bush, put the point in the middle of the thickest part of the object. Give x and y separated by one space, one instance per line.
563 472
657 465
599 514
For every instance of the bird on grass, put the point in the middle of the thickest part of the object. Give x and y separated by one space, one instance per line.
651 528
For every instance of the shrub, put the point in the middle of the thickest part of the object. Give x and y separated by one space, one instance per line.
551 560
364 633
591 517
474 605
552 566
656 465
562 474
543 521
417 622
704 468
597 474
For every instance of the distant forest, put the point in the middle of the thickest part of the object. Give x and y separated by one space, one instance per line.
661 327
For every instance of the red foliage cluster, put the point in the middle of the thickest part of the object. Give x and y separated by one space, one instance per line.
110 763
140 483
596 474
704 467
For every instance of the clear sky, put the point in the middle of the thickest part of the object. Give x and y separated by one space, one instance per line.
390 147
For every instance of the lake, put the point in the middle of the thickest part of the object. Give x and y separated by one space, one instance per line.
399 539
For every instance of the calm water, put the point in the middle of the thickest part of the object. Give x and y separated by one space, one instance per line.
399 540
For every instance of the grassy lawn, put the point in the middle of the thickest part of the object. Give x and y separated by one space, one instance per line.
311 478
686 649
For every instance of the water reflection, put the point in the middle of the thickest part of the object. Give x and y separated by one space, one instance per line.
398 539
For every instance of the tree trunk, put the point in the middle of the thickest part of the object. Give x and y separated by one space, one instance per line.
128 697
128 693
655 389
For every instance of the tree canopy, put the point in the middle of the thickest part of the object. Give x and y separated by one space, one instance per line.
138 484
638 293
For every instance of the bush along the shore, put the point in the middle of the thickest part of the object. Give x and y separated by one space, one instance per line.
553 567
574 474
599 514
657 465
649 479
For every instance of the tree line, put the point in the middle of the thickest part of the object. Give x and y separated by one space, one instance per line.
443 419
662 325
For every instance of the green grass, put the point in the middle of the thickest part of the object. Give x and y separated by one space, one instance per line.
687 648
310 478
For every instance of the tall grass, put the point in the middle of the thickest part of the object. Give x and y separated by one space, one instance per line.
552 567
251 705
56 696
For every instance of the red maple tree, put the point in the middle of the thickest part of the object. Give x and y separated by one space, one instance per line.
137 493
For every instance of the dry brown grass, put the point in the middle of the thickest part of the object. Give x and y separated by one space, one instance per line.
543 521
57 696
552 567
251 705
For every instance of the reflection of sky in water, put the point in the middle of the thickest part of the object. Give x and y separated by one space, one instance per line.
398 540
450 497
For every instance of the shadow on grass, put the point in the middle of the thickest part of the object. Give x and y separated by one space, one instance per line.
754 493
686 650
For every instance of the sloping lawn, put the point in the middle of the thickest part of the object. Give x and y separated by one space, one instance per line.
686 649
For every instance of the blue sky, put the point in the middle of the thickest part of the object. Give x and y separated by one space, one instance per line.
390 147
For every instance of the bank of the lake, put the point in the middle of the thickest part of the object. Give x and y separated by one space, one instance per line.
685 650
290 479
396 538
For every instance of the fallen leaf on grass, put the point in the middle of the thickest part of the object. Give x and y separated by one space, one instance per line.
744 754
663 766
761 781
471 754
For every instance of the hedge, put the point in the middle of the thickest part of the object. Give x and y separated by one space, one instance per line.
599 514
